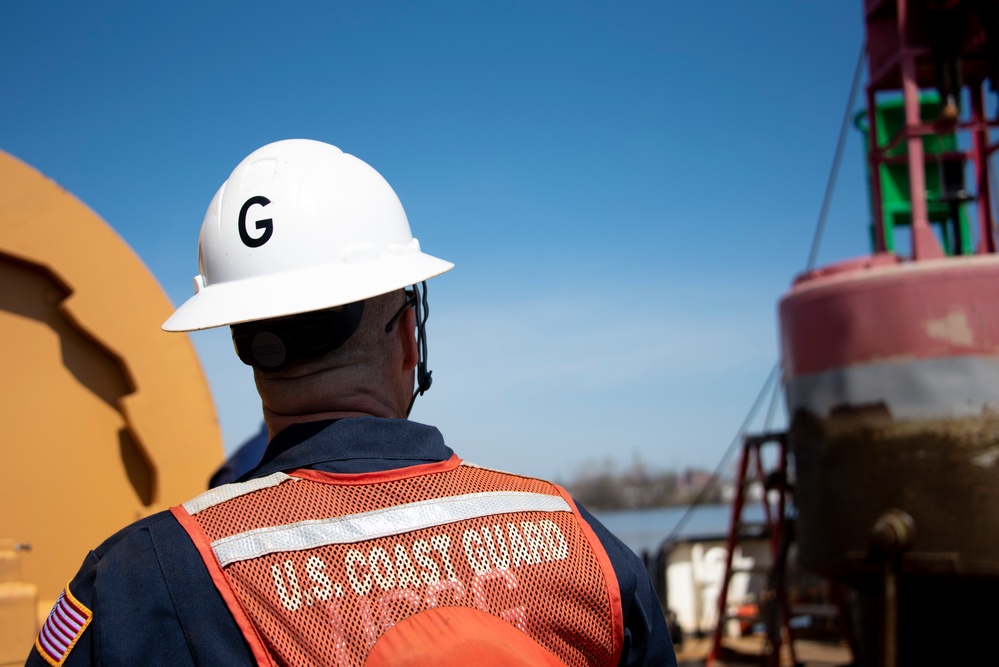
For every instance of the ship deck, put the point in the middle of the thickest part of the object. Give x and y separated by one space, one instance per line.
747 651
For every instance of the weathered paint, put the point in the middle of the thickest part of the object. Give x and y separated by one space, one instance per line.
866 313
960 386
105 418
891 375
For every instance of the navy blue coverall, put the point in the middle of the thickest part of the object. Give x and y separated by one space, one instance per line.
154 603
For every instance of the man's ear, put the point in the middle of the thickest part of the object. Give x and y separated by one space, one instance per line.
407 337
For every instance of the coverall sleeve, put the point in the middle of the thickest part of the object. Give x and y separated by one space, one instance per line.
646 637
152 603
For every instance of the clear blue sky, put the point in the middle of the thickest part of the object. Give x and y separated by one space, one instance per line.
626 188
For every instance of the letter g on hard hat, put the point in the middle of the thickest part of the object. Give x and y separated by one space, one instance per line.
300 226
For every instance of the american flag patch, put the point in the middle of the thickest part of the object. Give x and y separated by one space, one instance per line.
62 629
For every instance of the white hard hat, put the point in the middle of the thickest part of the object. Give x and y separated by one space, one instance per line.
300 226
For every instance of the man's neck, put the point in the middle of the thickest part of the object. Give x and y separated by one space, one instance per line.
277 422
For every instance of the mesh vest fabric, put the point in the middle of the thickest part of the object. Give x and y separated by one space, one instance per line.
317 567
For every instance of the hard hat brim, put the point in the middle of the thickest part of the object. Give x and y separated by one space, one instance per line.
301 291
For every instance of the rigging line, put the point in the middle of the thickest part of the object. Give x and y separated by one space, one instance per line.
812 257
841 143
732 448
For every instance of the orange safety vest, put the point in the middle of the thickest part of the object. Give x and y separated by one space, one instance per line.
438 564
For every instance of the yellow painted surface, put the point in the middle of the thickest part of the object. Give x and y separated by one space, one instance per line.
17 622
104 417
19 616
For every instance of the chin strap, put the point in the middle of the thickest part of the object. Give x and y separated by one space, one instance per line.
415 300
423 379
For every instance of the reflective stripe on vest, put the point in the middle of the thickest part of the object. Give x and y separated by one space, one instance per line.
317 568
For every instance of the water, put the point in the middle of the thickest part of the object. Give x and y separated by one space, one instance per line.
645 530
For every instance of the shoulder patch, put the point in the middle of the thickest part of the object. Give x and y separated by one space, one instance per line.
63 628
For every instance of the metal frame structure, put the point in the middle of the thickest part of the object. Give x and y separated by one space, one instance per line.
899 58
